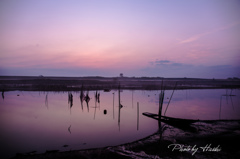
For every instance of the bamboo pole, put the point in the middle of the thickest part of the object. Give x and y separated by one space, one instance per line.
170 99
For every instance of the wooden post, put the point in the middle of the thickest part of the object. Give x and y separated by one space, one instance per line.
170 98
161 97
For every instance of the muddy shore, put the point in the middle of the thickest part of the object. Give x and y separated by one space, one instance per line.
209 140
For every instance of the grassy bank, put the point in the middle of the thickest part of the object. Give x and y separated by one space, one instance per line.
35 83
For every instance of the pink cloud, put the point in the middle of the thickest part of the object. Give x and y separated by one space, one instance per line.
198 36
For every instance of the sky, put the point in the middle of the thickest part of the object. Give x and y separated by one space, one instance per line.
155 38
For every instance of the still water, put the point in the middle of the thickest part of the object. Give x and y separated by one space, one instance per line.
43 121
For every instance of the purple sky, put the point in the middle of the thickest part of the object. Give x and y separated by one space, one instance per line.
135 37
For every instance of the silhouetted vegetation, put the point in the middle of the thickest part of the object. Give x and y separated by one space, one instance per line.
9 83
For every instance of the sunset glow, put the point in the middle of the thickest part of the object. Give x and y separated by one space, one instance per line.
104 38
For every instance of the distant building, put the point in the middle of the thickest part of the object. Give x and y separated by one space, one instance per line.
121 74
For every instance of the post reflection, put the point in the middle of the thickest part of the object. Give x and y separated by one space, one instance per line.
87 99
113 104
97 102
132 98
70 101
3 94
69 129
119 107
82 97
97 97
137 115
95 108
46 100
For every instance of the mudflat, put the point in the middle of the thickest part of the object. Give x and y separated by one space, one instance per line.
209 140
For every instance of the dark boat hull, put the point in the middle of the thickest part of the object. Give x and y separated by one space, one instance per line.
171 120
181 121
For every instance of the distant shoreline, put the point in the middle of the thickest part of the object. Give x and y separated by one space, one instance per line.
50 83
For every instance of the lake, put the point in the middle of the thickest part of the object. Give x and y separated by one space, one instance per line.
36 122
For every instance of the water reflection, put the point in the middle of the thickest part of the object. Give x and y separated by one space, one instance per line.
137 115
82 97
3 94
201 104
132 98
44 129
119 107
87 99
230 95
95 110
70 100
97 97
46 100
69 129
113 104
